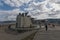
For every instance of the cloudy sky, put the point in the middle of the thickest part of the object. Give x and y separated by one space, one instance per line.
39 9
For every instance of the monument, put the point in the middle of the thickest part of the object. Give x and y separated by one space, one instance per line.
23 20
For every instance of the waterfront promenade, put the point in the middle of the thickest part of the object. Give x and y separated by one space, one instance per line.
50 34
12 35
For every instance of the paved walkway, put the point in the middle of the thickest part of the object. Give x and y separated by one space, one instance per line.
14 35
51 34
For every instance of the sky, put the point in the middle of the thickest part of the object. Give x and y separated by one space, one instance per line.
38 9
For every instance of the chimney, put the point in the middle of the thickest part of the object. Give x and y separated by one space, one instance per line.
19 13
23 14
26 13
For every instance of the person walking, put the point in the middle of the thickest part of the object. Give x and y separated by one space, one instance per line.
46 27
9 27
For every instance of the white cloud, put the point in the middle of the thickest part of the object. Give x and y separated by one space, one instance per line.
2 19
16 3
9 15
54 1
38 6
9 2
42 16
28 9
55 6
25 1
41 7
14 11
12 17
37 10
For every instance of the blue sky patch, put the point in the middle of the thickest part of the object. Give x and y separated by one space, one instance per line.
6 7
48 5
39 1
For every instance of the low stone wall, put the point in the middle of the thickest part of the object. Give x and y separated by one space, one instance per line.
5 26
